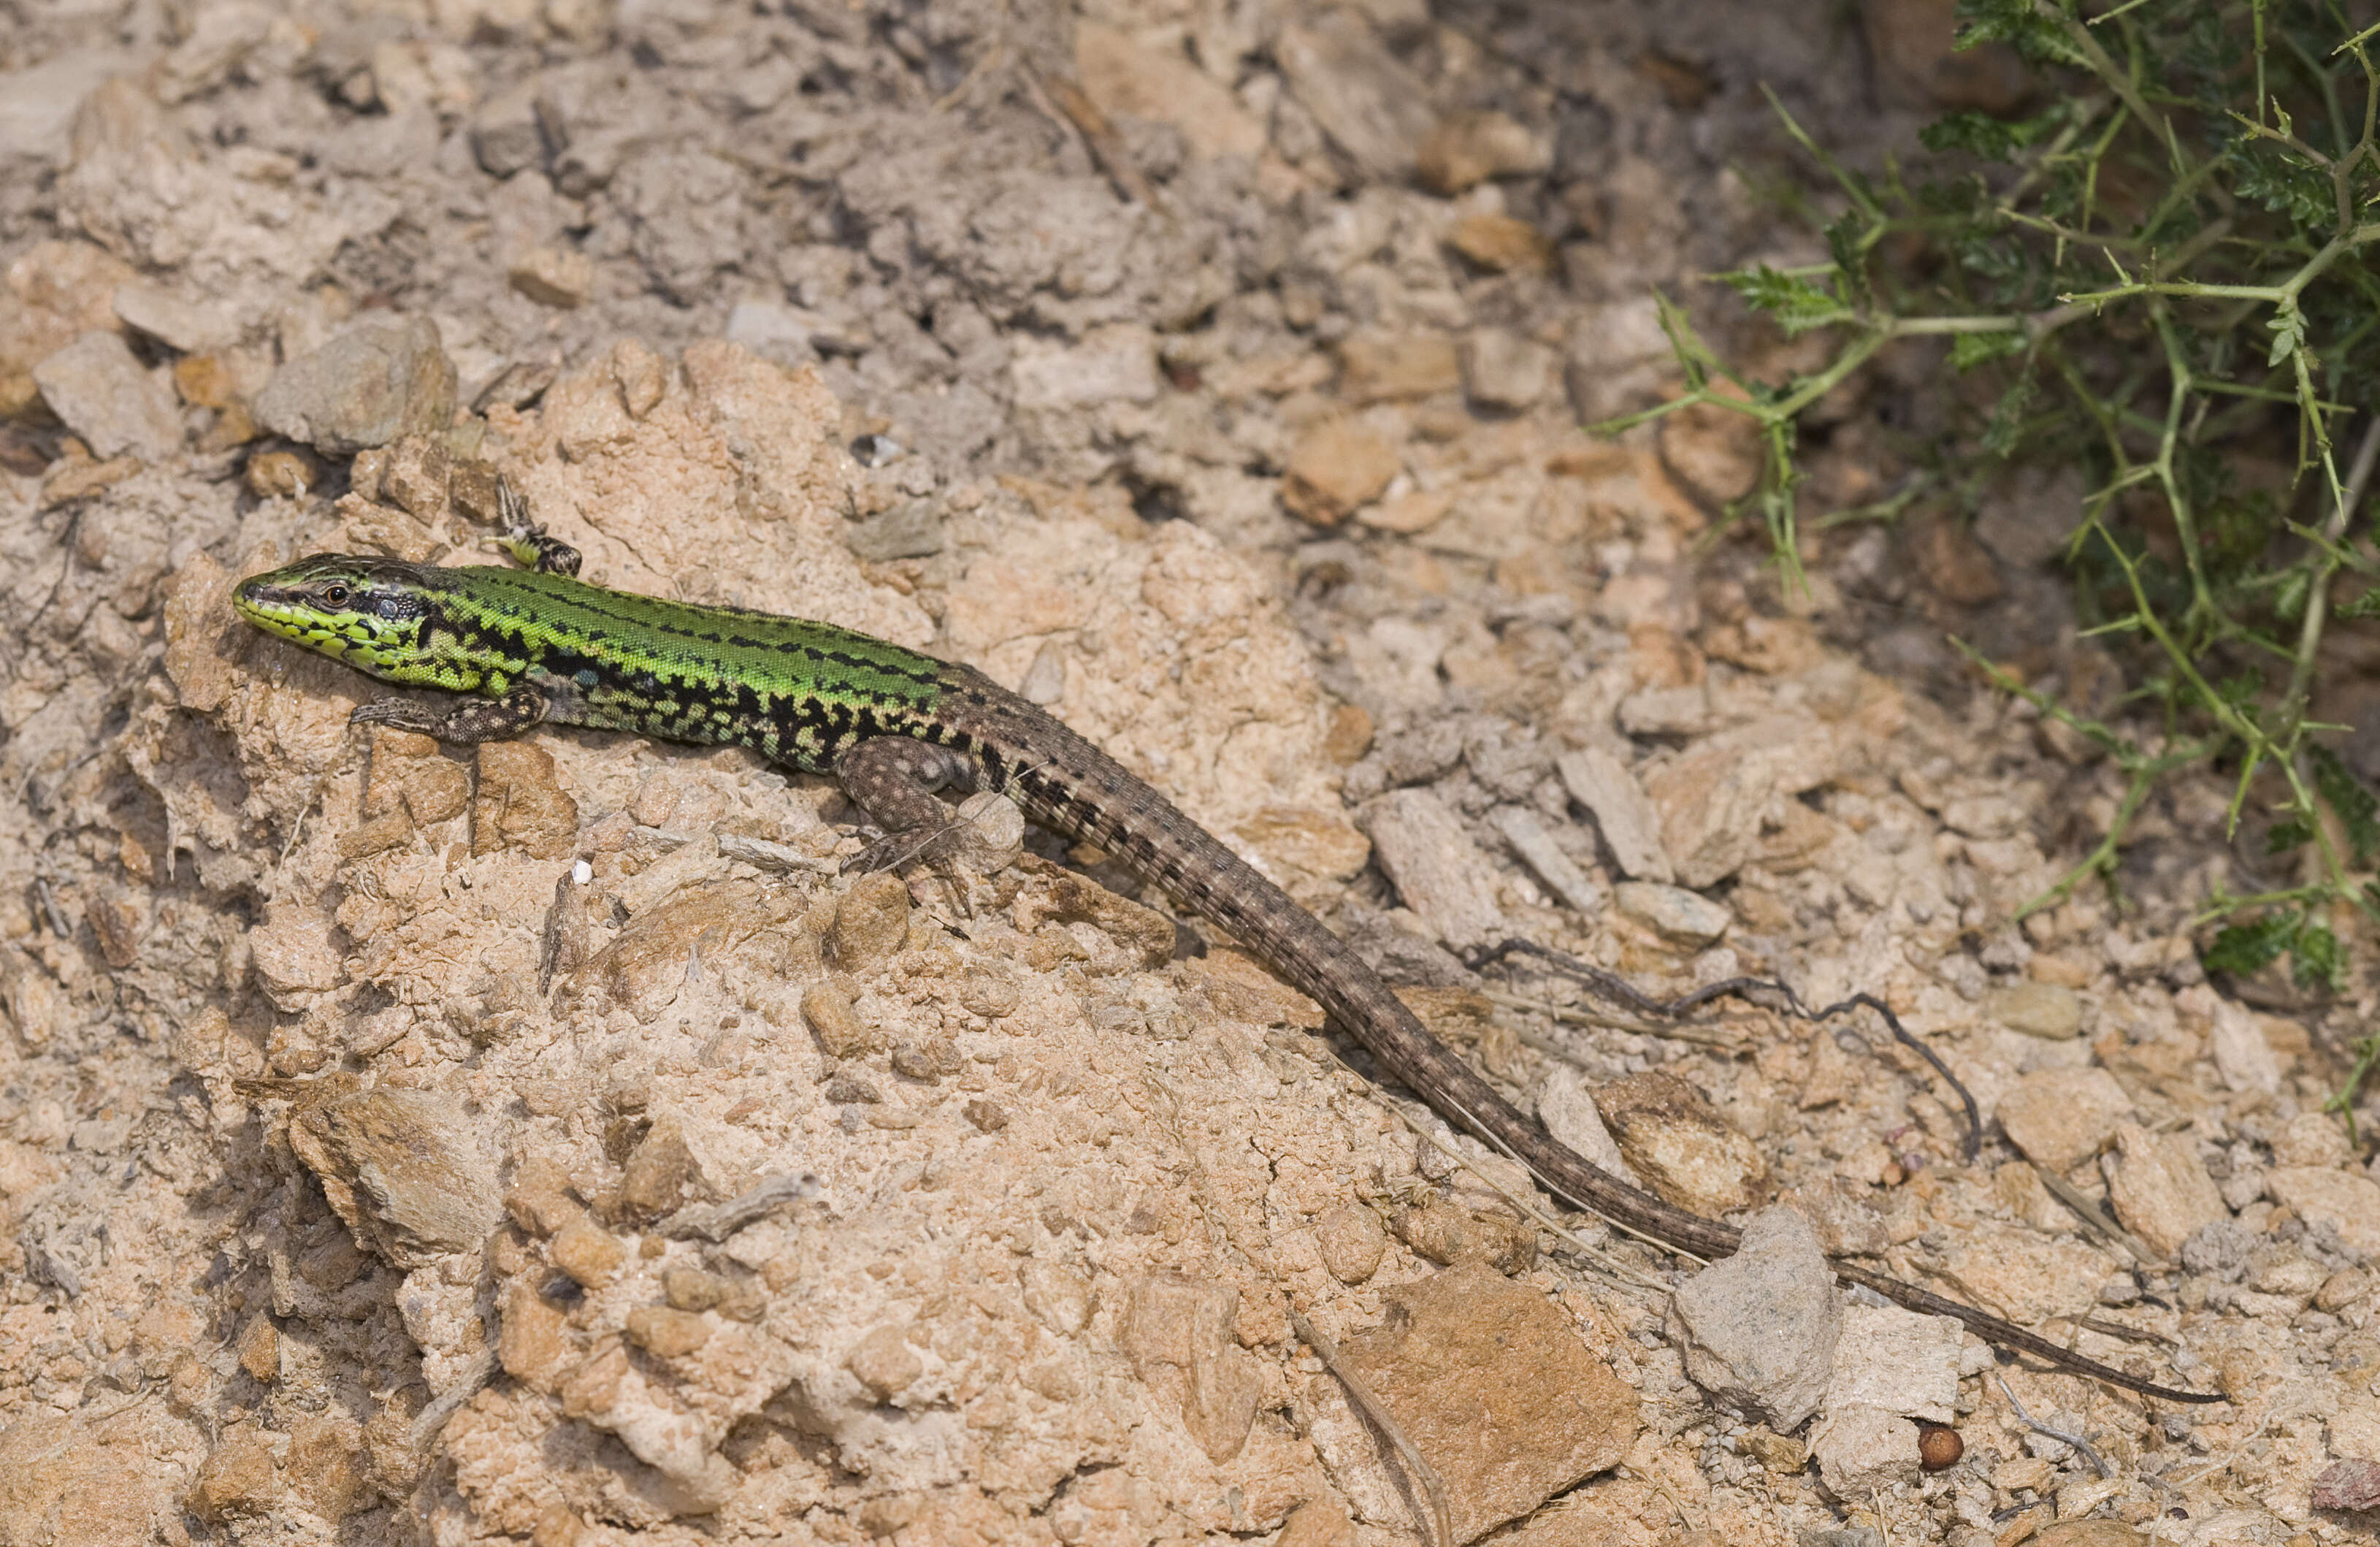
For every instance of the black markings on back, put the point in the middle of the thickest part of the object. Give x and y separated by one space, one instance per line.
539 595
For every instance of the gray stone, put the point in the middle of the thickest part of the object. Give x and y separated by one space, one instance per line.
1667 711
1891 1367
1901 1360
2220 1245
1502 370
774 331
1372 107
1673 912
221 37
1566 1106
37 104
377 381
1631 827
505 133
912 530
1862 1450
2242 1056
1438 872
1108 365
1533 842
1758 1329
2028 515
109 399
2341 1200
181 323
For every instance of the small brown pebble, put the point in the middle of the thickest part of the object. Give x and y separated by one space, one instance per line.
280 474
234 426
558 1528
987 1116
836 1023
471 485
259 1349
884 1362
187 1385
1780 1454
204 381
693 1290
1349 736
588 1252
667 1332
1938 1447
554 278
872 920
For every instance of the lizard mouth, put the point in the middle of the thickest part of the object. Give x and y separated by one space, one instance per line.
285 611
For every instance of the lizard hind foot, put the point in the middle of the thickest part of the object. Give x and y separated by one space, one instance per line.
527 541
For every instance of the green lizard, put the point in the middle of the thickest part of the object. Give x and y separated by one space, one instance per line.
537 646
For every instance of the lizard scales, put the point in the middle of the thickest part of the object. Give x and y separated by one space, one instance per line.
893 725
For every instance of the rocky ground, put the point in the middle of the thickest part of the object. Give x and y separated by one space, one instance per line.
545 1140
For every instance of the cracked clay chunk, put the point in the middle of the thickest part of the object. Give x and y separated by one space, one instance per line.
2062 1117
404 1169
520 805
1493 1386
1675 1139
1180 1333
1147 933
645 966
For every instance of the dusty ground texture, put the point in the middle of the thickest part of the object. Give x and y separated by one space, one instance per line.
371 1114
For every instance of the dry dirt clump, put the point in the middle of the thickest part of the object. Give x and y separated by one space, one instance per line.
545 1140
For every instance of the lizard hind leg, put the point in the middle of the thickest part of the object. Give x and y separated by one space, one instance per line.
527 542
894 779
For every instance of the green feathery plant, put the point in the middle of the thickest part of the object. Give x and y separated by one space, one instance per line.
2169 270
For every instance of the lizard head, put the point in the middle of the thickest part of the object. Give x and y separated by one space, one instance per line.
366 612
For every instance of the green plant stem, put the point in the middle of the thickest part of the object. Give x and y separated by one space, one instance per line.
2118 82
2242 727
2224 904
2317 604
2142 769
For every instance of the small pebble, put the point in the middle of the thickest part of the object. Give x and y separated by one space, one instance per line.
2043 1010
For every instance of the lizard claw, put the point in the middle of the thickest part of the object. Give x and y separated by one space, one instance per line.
884 852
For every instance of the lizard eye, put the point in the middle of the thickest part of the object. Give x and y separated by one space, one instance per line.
336 595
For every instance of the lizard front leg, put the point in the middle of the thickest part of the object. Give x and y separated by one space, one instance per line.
464 719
